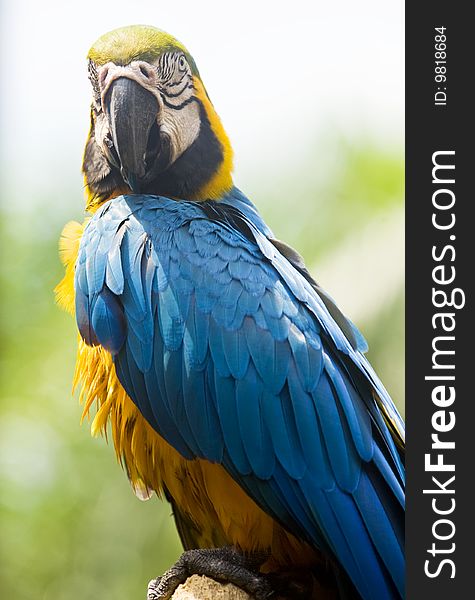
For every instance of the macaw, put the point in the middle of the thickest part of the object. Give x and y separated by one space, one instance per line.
232 383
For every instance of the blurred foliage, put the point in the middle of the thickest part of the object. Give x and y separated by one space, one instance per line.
71 527
335 191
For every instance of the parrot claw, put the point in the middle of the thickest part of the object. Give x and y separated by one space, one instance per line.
152 593
223 564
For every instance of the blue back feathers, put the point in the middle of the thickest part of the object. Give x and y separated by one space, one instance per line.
232 355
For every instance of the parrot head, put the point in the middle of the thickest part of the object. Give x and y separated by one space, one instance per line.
153 127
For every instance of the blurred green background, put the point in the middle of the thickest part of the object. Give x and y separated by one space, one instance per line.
329 181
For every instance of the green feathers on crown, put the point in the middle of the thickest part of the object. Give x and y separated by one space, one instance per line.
136 42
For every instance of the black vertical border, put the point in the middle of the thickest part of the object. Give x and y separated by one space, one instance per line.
431 128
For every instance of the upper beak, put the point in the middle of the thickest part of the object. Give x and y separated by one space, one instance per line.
131 111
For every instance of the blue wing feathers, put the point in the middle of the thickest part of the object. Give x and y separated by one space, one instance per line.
163 417
225 390
172 370
285 441
202 415
388 474
268 361
114 272
356 416
132 381
196 336
83 317
380 529
232 356
183 438
107 321
309 432
252 426
217 350
235 351
364 558
272 303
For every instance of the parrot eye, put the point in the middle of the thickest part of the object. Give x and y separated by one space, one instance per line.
182 62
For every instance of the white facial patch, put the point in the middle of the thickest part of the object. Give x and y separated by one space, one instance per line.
182 127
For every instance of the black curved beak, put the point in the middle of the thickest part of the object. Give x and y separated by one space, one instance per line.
132 112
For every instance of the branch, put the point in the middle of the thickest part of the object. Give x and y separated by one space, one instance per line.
199 587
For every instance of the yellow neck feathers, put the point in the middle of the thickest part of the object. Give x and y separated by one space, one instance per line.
221 182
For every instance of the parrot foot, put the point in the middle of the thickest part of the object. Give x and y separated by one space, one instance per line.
223 564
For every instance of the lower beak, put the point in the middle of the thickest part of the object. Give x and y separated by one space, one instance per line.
132 111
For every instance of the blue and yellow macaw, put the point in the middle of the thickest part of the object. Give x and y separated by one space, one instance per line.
232 383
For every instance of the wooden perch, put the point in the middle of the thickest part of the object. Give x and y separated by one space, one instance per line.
199 587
